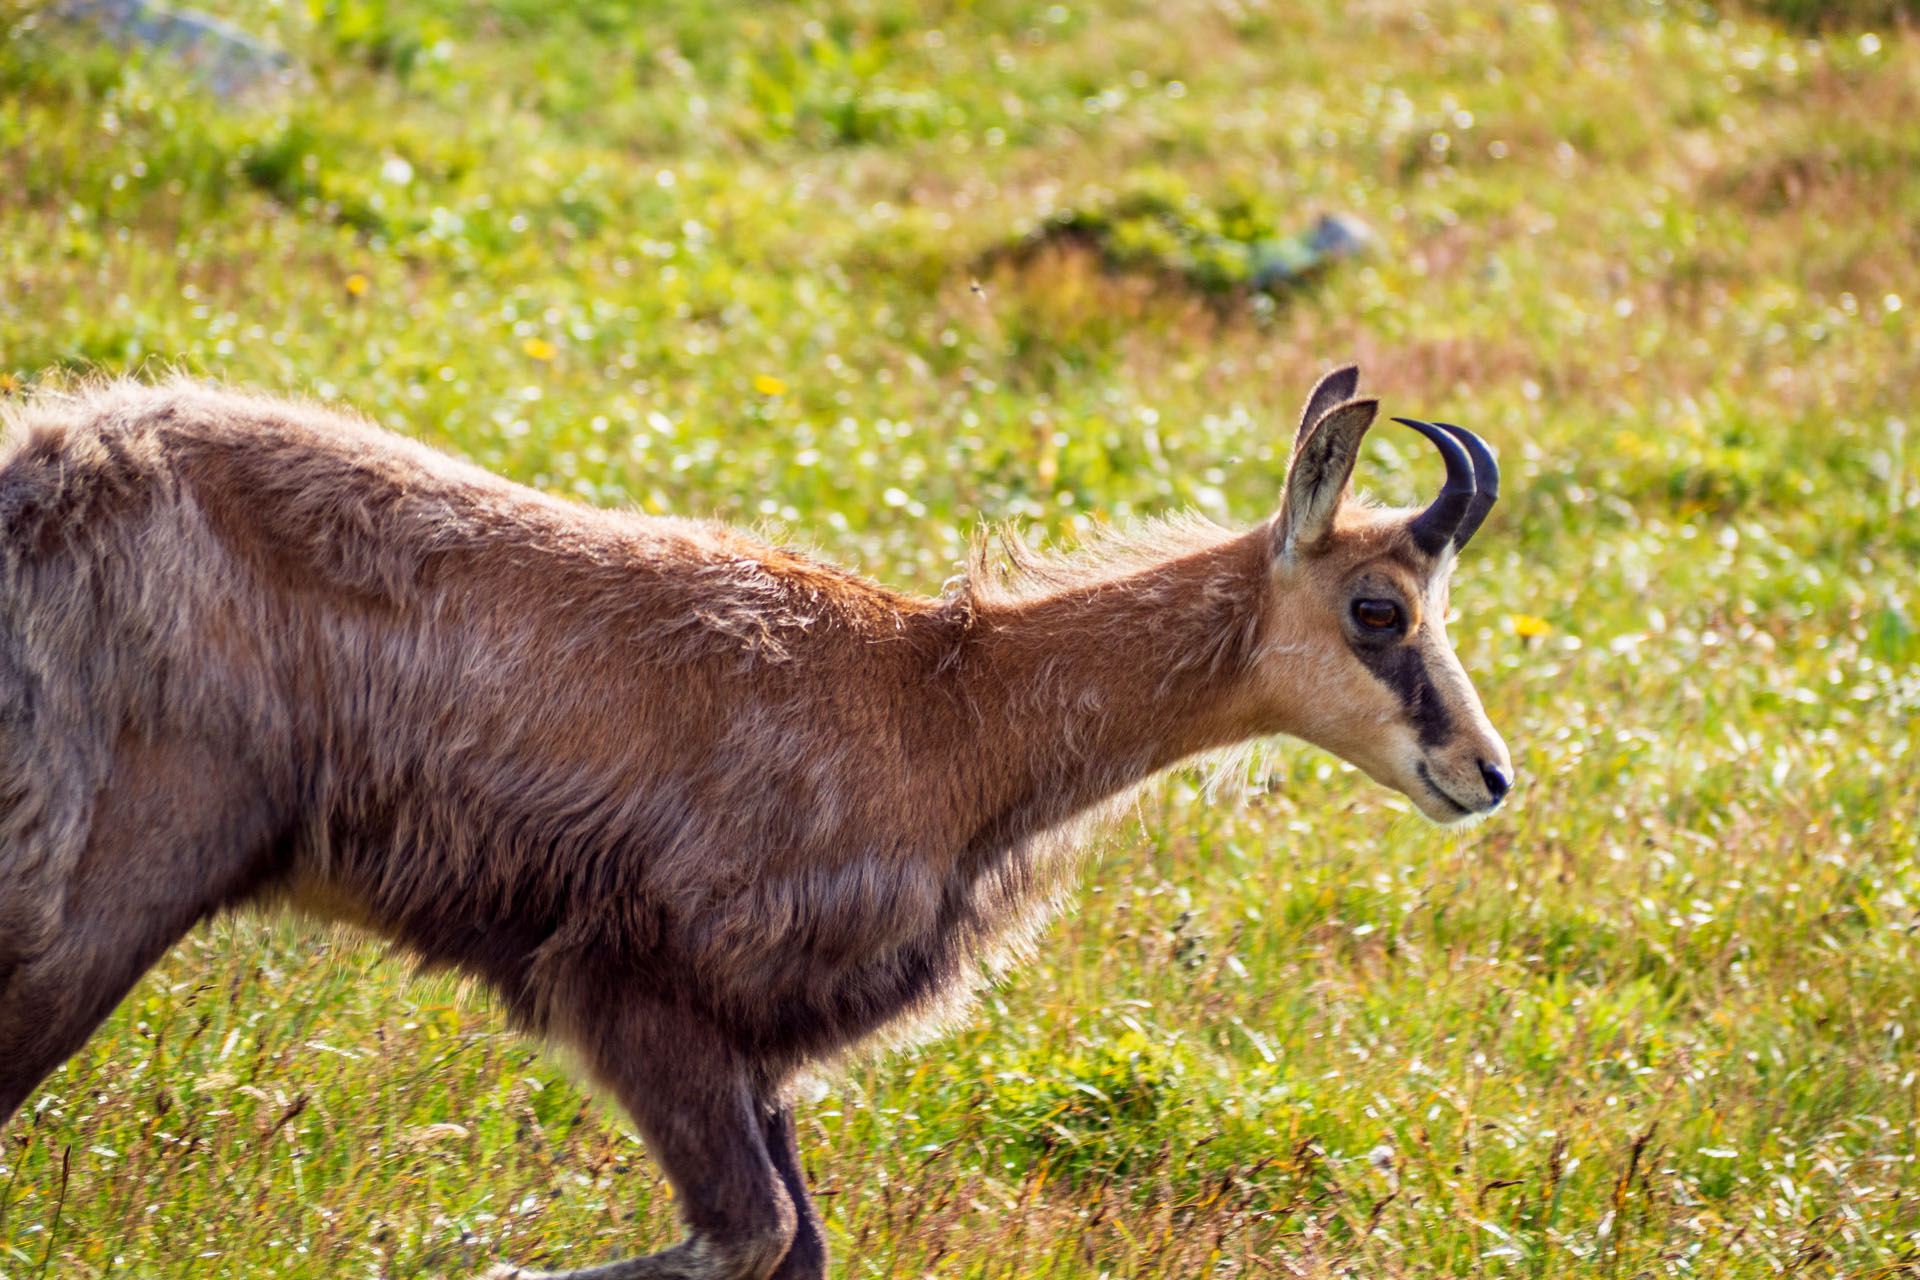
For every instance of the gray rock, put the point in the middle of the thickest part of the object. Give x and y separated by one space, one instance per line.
231 61
1341 235
1284 261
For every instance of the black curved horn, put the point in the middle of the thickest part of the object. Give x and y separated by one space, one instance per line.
1486 481
1435 527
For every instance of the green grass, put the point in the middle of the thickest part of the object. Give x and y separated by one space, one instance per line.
1659 1017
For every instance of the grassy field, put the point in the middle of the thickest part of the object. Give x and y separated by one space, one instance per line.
808 267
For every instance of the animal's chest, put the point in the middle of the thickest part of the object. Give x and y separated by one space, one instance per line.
889 951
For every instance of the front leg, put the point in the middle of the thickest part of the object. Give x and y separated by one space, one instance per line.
691 1099
807 1256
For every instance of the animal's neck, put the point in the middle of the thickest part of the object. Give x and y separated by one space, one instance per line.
1087 691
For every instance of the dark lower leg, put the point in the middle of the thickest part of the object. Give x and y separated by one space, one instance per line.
807 1256
689 1096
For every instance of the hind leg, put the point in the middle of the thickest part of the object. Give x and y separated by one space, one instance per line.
176 833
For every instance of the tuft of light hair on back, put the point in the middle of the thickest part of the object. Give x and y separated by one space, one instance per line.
1004 568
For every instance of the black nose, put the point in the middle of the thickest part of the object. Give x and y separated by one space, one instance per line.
1498 783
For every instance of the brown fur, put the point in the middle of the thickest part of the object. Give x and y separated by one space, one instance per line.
705 809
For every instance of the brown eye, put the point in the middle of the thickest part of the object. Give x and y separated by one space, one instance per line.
1376 615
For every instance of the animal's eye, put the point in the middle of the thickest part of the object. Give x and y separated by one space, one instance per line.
1376 615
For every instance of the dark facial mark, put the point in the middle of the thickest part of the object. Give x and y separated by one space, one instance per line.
1403 669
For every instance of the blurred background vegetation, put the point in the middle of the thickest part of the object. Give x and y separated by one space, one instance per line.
866 273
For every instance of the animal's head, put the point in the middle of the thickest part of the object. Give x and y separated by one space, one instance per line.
1358 640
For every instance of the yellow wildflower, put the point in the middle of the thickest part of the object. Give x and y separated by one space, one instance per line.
8 384
358 284
540 348
1528 627
768 385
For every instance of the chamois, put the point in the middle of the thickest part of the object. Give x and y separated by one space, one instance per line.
707 811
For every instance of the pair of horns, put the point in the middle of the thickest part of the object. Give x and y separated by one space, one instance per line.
1473 476
1473 482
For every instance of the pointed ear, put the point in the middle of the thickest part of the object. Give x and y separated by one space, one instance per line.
1336 388
1320 477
